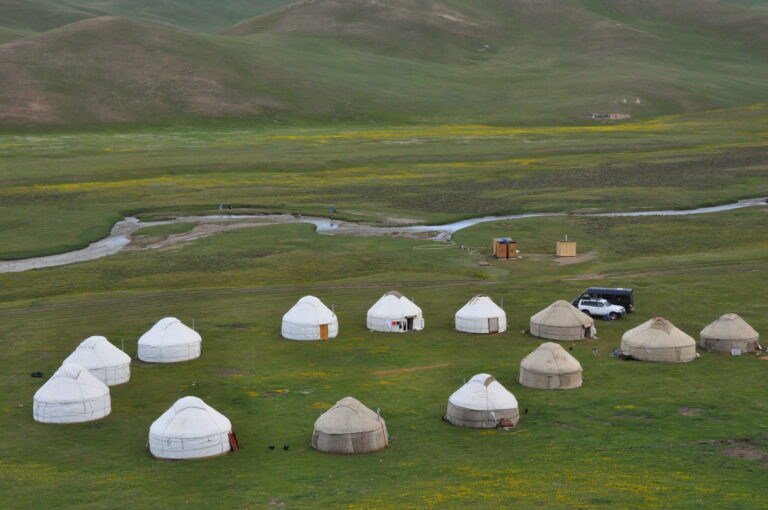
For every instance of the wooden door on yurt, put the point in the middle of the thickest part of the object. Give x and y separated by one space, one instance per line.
323 331
493 324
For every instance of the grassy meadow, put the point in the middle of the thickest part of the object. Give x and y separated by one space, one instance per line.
61 191
636 435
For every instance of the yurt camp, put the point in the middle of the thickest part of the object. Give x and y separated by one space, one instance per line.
481 315
310 319
550 367
349 427
482 403
395 313
658 340
102 359
169 341
71 395
562 321
190 429
728 333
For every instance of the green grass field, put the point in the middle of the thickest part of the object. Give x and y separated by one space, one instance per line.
619 441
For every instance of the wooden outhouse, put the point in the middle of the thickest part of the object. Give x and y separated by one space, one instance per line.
566 248
504 248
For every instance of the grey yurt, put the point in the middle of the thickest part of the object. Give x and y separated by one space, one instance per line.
349 427
658 340
550 367
482 403
562 321
729 332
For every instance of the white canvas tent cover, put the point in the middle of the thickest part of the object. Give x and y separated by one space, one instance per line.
71 395
102 359
395 313
729 332
658 339
309 319
562 321
169 341
482 403
550 367
190 429
349 427
481 315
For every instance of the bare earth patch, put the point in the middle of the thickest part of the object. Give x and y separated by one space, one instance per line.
410 369
748 453
690 411
584 257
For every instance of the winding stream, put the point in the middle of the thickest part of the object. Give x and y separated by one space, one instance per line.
120 235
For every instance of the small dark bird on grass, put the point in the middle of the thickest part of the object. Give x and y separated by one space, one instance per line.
525 411
271 447
570 348
285 447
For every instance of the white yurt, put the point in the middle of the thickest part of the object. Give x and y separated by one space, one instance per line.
169 341
310 319
482 403
71 395
190 429
349 427
550 367
658 340
111 365
729 332
395 313
481 315
562 321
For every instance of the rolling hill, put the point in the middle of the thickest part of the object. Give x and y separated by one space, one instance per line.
499 61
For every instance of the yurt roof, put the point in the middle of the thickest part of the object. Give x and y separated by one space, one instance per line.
309 310
550 358
97 352
730 327
657 333
170 331
480 306
483 393
563 314
71 383
393 305
189 417
348 416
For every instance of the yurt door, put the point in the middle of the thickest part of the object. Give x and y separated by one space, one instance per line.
409 324
323 331
493 324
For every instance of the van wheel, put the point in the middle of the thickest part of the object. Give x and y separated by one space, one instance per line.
613 316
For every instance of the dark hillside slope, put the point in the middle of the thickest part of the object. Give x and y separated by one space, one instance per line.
20 18
200 15
107 70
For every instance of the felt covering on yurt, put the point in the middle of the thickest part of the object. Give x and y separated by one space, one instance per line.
481 315
102 359
393 313
658 339
729 332
71 395
169 341
550 367
482 403
190 429
309 319
349 427
562 321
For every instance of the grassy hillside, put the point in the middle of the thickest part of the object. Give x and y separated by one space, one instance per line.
407 61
